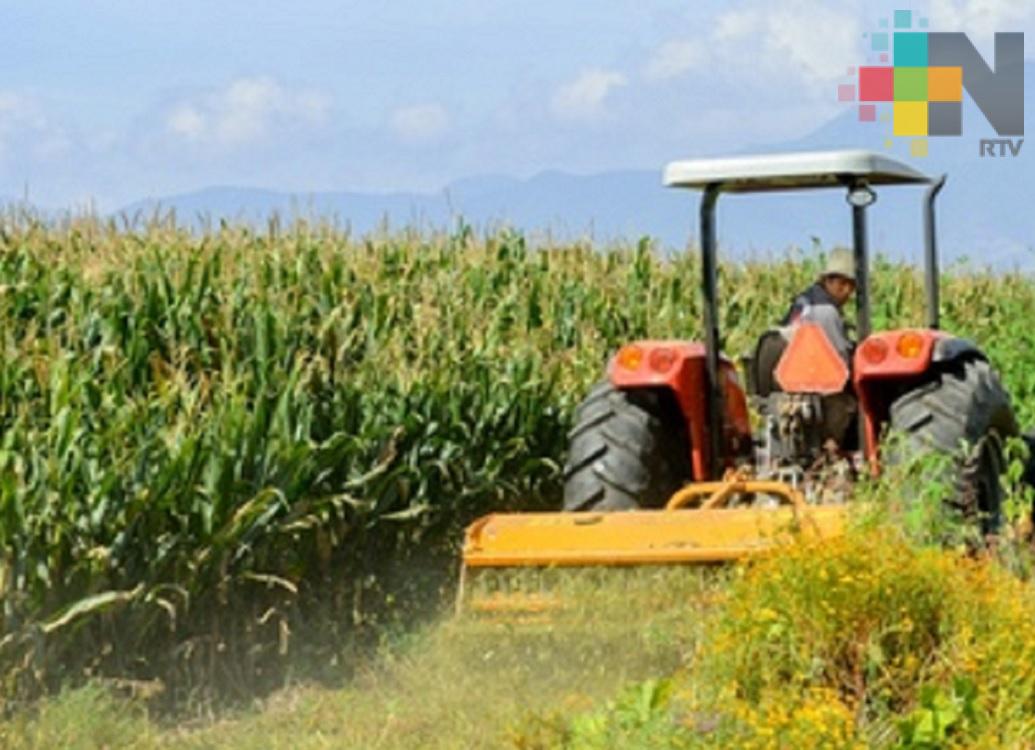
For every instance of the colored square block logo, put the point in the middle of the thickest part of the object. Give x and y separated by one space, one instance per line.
910 118
926 100
876 84
911 49
910 84
945 84
945 118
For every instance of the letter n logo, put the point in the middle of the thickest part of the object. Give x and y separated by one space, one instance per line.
998 93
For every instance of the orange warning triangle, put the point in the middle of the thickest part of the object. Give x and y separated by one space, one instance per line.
811 364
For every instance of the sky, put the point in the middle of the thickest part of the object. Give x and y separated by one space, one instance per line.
108 102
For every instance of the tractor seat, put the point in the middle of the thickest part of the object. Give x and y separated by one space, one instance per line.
770 347
839 409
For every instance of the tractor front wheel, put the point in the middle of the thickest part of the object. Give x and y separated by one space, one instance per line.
627 450
963 410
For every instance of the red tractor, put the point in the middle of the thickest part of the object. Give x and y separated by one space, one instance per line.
668 434
672 412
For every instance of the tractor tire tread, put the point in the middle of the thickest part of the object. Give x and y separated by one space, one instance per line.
624 452
963 403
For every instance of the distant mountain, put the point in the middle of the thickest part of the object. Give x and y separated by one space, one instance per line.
985 211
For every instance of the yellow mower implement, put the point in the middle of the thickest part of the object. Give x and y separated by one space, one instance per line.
708 532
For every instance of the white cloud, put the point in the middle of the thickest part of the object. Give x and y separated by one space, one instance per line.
673 58
736 24
982 18
247 111
419 123
584 97
28 130
813 38
807 39
186 121
820 40
17 110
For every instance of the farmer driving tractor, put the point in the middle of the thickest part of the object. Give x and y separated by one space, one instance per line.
822 302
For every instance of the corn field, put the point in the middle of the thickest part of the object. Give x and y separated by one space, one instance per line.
213 446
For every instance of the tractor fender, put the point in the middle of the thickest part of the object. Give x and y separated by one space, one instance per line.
882 356
679 366
882 362
951 348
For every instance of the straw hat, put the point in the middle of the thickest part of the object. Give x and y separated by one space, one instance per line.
840 262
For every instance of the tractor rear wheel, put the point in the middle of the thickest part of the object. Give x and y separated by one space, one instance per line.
627 450
963 404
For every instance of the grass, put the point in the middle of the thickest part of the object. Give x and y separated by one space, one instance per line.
870 640
881 638
461 682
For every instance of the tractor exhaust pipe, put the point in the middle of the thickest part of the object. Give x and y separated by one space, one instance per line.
711 330
931 272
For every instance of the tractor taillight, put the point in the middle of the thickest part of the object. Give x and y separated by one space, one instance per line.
874 351
630 357
910 345
662 359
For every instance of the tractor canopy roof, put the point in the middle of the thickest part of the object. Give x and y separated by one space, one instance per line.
792 171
